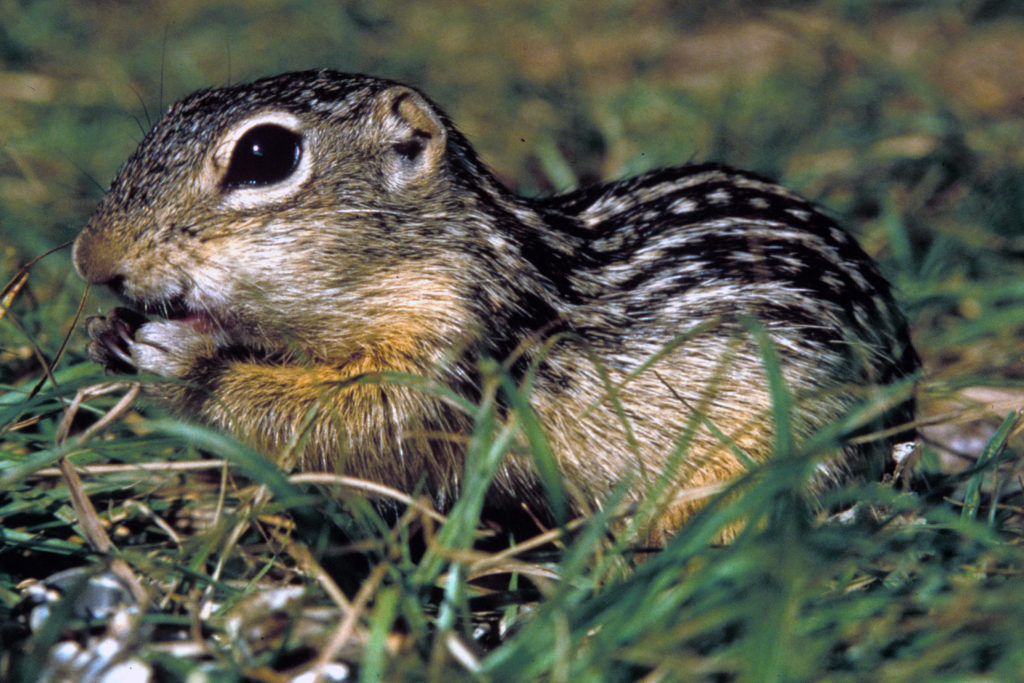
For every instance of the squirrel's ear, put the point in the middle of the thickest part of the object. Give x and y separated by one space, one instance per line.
413 134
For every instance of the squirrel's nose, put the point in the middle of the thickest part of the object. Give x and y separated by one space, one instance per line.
96 258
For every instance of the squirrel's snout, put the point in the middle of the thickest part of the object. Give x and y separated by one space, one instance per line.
95 258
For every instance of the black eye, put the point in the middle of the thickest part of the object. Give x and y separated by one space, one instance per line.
265 155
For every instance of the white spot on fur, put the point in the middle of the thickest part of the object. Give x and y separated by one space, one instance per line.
720 196
682 205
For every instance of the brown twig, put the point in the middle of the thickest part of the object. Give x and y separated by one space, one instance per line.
368 486
348 625
90 522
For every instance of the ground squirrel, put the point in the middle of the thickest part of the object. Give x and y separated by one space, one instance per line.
289 235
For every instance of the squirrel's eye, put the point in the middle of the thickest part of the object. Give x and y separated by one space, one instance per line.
265 155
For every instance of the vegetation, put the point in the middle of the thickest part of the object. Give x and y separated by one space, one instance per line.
903 118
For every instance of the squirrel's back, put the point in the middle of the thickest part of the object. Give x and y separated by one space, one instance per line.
301 232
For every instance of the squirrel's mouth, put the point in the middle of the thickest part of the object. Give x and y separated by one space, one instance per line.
201 322
178 310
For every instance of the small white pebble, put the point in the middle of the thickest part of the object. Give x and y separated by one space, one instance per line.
902 451
129 671
332 672
65 651
847 516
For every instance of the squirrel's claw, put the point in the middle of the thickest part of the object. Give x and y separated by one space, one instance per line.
111 336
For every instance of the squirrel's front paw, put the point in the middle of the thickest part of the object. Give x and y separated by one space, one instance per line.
170 348
124 341
111 338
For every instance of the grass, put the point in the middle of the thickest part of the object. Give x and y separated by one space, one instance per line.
901 118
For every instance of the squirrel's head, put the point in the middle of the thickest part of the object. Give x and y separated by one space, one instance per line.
310 205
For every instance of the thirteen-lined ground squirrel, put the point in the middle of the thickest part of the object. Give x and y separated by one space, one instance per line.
295 233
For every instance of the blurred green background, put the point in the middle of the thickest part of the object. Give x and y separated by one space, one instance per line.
903 118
